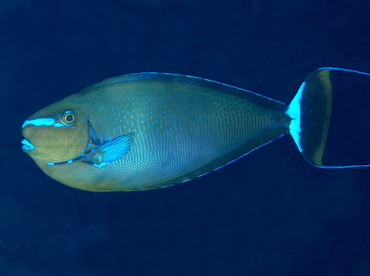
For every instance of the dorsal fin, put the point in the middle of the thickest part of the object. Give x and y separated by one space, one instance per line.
250 96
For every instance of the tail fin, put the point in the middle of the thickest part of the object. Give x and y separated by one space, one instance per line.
311 111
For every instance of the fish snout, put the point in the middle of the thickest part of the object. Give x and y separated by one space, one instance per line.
30 126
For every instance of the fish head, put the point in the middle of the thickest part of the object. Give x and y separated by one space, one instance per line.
55 134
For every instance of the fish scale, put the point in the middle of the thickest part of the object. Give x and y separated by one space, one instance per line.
191 108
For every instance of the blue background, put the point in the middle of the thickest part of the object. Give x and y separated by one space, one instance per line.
269 213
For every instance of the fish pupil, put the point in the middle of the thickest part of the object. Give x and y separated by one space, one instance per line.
69 117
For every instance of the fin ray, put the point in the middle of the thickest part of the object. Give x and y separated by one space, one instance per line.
111 150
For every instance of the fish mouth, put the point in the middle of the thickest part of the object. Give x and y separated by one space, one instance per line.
26 145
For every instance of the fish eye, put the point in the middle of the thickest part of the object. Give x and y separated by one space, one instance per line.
69 117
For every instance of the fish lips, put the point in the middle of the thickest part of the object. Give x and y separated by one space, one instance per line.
27 145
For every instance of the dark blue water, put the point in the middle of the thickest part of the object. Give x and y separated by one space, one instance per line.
269 213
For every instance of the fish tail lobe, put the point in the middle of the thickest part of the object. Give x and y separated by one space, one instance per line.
312 120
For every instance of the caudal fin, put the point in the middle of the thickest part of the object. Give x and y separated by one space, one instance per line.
311 111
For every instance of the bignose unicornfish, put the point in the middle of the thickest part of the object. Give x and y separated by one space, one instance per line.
152 130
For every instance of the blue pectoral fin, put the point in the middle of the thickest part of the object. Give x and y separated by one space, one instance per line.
110 150
324 100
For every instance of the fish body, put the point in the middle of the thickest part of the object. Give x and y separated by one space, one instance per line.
152 130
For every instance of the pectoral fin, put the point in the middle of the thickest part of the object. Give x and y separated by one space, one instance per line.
110 150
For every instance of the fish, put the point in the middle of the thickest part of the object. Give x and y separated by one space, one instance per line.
151 130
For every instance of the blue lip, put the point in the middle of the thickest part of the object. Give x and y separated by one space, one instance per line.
27 145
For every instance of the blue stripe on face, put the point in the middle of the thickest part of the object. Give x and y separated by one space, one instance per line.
40 122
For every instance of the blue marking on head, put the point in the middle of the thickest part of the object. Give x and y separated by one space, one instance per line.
40 122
